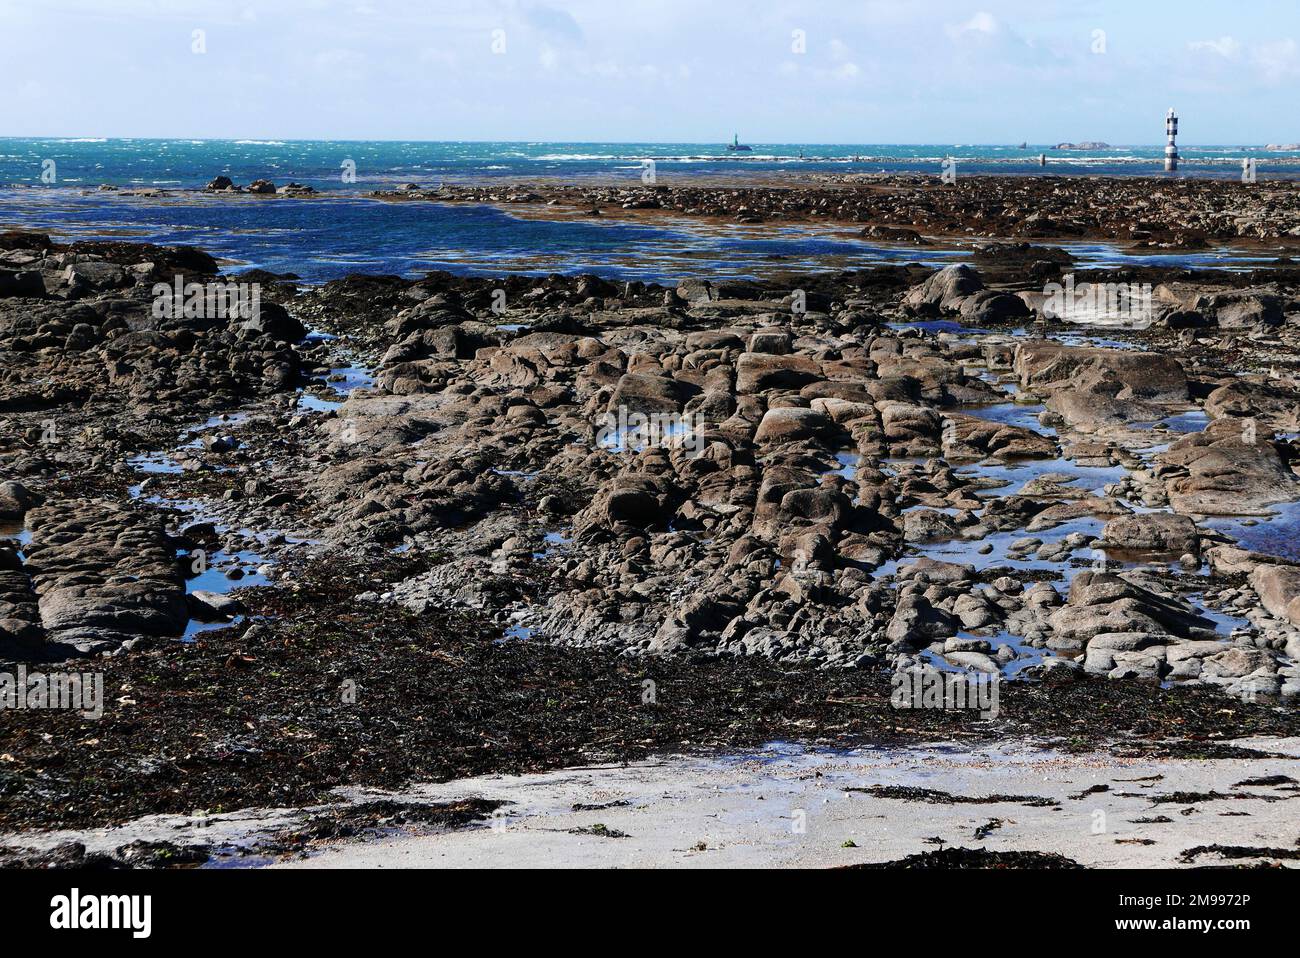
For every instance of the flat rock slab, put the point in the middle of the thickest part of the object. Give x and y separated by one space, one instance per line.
1153 377
1229 469
104 574
1159 532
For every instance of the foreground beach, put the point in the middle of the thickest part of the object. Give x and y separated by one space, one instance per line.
1009 805
425 529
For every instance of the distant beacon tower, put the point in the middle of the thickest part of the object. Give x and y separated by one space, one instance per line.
1171 150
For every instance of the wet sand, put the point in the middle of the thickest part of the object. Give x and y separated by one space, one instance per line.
745 811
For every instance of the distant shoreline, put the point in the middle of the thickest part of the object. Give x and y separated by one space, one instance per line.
706 144
87 162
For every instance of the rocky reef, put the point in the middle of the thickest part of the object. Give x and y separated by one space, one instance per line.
1150 213
859 473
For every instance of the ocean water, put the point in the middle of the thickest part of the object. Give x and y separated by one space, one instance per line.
345 232
319 163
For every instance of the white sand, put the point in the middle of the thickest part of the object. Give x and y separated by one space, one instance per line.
745 811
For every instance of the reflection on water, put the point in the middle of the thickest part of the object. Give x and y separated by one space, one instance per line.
323 239
1027 655
1014 475
341 381
1183 423
1275 535
1224 623
942 326
1023 415
155 464
516 633
326 239
1106 255
1072 339
996 551
14 531
226 572
849 462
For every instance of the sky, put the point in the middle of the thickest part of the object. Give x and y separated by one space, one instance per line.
690 71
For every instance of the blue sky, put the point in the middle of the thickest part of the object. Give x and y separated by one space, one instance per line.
787 71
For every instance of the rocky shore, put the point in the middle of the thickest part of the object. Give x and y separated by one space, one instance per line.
1149 213
395 528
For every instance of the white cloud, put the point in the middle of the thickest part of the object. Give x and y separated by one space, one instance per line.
983 23
1226 47
1277 60
1272 61
941 71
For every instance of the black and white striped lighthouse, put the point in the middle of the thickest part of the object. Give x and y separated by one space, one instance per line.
1171 148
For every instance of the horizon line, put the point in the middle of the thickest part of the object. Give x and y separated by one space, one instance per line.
268 139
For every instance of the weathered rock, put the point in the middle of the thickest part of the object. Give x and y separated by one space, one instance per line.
1153 377
773 339
989 307
1242 309
1225 470
695 291
944 291
976 661
208 606
1158 532
634 501
792 425
1103 602
929 525
758 372
1236 663
917 623
644 393
21 283
1278 588
926 569
16 499
1098 406
104 574
967 437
